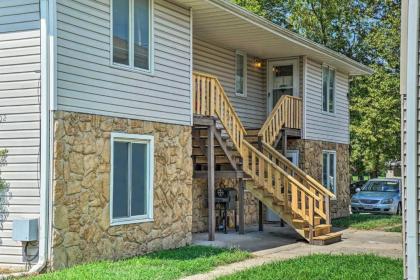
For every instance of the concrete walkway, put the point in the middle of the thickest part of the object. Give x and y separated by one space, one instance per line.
284 247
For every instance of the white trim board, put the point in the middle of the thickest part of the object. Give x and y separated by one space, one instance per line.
133 138
411 183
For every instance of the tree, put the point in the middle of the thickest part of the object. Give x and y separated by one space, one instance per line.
374 101
367 31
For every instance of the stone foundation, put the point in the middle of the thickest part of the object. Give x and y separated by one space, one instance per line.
200 204
310 161
81 189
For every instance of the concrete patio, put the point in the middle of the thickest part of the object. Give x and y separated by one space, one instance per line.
277 243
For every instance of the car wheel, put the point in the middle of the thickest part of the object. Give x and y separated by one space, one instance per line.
399 209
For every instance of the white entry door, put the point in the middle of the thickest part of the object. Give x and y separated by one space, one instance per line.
283 79
293 156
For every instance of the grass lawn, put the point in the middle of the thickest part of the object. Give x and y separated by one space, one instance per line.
163 265
390 223
331 267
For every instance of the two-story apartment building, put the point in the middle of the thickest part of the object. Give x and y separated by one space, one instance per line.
111 109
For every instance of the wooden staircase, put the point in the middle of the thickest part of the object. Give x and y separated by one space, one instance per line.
296 197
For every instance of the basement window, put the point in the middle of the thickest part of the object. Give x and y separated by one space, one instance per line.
131 178
329 170
131 33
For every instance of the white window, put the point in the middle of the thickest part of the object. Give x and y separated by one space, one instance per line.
328 89
240 73
329 170
132 33
131 178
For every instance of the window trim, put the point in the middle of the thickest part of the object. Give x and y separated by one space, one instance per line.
334 90
131 66
330 152
245 73
133 138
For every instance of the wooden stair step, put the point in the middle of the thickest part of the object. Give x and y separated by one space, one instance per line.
218 160
252 132
319 230
327 239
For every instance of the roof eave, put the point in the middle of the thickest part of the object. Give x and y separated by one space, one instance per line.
359 68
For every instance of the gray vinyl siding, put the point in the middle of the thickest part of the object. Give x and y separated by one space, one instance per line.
323 126
20 132
220 62
87 82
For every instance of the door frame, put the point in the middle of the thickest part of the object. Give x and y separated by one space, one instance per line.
269 79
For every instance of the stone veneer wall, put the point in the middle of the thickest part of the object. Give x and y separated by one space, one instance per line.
81 189
200 208
310 161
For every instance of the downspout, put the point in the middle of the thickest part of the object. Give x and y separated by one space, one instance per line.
412 151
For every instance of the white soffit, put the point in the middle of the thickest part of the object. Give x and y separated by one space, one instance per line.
228 25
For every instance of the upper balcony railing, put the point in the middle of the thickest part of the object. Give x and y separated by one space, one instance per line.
286 114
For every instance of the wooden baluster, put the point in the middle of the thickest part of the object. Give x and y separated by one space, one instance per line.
311 210
194 90
245 156
286 191
261 171
234 135
197 96
321 204
277 185
211 105
253 164
203 95
269 178
303 204
294 197
217 106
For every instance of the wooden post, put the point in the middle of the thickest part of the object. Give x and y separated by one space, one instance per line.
210 182
241 206
284 144
260 216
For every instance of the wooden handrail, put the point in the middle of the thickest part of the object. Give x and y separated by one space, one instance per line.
287 113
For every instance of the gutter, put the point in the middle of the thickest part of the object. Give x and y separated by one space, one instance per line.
289 35
47 26
411 184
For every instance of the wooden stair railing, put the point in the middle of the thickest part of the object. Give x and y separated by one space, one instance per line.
211 100
279 184
287 113
324 195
